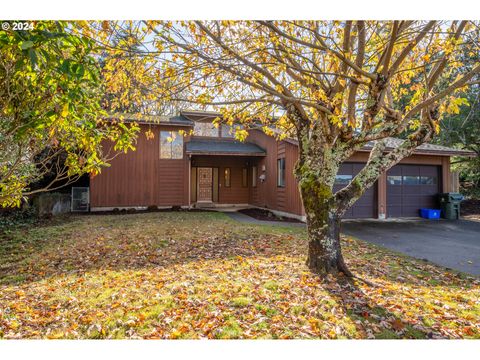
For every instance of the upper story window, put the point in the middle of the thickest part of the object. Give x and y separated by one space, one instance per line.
205 129
227 131
171 145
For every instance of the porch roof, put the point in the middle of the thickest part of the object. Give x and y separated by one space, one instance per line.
223 147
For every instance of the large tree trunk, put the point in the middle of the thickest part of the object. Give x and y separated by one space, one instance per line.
323 227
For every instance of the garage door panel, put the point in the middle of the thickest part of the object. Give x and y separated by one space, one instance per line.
394 211
366 206
429 190
357 168
366 211
411 187
346 169
428 170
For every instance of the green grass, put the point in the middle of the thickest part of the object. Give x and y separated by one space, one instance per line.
241 301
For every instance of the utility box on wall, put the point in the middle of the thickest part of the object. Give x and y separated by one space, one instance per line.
80 199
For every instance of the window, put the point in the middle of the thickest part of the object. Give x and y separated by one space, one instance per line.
254 176
394 180
244 177
227 131
428 180
342 179
171 145
411 180
281 172
205 129
226 177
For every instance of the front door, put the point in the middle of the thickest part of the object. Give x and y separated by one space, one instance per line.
204 184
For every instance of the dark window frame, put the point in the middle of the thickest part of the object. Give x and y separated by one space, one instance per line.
407 180
394 178
425 180
346 177
178 136
229 177
205 124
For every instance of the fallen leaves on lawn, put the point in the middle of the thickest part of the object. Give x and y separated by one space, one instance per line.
200 275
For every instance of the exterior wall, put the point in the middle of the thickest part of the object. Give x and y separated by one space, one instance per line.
267 194
141 178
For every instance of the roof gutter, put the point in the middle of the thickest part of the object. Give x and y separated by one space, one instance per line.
193 152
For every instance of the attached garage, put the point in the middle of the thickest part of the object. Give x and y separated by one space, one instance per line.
412 187
366 206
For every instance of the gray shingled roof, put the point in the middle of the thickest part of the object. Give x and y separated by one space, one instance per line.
234 147
153 119
223 147
393 143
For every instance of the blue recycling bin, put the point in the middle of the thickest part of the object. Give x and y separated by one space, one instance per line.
430 213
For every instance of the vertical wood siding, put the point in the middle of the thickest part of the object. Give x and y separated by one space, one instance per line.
141 178
268 194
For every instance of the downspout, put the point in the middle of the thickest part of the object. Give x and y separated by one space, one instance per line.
189 180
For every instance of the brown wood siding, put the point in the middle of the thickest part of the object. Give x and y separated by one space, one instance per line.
446 175
267 194
141 178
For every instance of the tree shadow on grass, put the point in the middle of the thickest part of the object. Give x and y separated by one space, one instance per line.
371 319
143 242
78 245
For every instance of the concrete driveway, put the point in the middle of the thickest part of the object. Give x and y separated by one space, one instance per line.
453 244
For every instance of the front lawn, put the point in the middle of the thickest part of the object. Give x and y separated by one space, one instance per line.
202 275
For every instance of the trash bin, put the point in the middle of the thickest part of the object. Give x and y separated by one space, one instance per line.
450 205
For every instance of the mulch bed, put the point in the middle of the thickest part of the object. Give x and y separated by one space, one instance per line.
470 207
266 215
129 211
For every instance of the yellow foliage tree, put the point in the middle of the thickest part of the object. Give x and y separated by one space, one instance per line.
333 85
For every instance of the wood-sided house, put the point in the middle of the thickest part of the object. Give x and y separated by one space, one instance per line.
211 168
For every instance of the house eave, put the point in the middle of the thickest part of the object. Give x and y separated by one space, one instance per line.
432 152
215 153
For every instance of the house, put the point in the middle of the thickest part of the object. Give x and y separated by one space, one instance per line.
211 168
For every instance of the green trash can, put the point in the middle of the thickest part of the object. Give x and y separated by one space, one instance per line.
450 205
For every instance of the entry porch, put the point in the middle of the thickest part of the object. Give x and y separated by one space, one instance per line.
222 173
